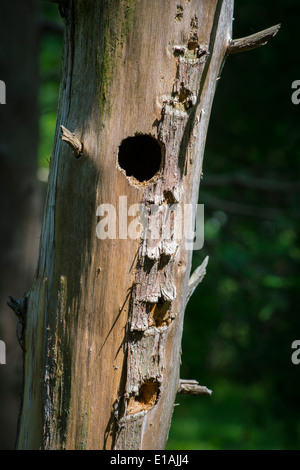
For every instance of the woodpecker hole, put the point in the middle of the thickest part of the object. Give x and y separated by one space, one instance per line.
140 156
159 313
146 399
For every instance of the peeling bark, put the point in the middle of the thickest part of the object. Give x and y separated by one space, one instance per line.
158 299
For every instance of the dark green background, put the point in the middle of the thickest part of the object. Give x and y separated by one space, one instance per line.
241 321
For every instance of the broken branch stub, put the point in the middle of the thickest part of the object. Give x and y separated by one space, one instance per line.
254 40
196 278
192 387
72 140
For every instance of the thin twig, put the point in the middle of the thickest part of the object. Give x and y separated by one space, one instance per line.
251 42
72 140
260 184
242 209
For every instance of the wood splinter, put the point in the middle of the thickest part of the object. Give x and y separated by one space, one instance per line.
72 140
192 387
251 42
197 277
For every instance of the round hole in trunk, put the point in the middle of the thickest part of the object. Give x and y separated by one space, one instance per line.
140 156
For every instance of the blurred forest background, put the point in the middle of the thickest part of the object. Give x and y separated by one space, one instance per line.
241 321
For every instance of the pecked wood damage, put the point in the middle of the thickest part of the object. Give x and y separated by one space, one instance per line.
163 265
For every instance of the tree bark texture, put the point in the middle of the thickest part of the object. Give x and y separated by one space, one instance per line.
20 197
105 317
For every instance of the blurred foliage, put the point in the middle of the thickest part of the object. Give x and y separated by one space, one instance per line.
241 321
50 63
243 318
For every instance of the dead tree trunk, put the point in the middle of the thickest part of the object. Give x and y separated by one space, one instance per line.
105 315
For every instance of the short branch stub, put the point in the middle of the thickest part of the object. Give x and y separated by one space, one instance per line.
251 42
192 387
72 140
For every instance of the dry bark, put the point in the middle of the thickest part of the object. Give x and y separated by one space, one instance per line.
105 317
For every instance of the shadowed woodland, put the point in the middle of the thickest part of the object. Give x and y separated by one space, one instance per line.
241 321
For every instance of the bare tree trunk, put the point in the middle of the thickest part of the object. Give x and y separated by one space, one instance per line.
104 318
20 202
